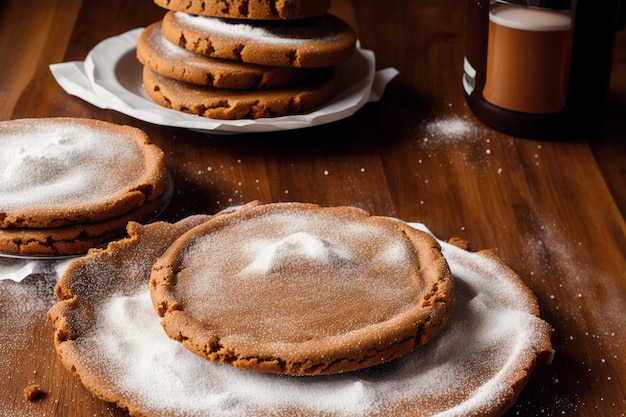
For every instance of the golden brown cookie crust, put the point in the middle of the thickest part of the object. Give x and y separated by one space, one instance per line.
127 263
240 104
66 171
300 289
169 60
245 9
75 239
317 42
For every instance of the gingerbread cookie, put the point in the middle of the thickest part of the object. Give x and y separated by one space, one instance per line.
239 104
65 171
300 289
74 239
316 42
169 60
477 365
245 9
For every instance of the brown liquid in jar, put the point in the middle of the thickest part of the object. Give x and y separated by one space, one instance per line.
528 59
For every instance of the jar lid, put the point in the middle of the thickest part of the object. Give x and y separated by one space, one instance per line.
542 4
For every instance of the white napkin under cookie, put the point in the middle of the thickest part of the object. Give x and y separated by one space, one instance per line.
17 269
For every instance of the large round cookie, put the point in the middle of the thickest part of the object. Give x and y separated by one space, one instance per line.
246 9
302 289
316 42
218 103
169 60
63 171
108 335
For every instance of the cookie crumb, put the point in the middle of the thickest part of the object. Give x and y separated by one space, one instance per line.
33 392
461 243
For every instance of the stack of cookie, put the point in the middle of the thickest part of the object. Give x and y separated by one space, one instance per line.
240 59
406 325
70 184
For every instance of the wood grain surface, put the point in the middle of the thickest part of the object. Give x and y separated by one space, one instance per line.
552 210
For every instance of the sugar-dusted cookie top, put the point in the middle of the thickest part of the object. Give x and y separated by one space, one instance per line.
301 289
62 171
316 42
246 9
172 61
477 365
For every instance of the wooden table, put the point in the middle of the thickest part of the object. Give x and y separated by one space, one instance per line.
553 210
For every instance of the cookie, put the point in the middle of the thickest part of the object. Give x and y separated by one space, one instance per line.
301 289
64 171
245 9
74 239
33 392
169 60
476 365
316 42
240 104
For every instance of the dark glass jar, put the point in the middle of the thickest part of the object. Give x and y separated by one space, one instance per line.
540 68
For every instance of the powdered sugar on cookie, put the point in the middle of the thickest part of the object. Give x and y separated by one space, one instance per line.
283 32
302 289
490 344
304 43
61 171
61 164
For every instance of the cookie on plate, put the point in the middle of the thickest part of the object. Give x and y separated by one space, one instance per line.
232 104
315 42
169 60
245 9
67 171
300 289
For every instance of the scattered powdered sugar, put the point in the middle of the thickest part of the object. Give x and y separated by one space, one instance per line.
457 133
170 380
449 376
449 128
281 32
23 332
466 142
167 48
302 246
52 164
35 296
570 271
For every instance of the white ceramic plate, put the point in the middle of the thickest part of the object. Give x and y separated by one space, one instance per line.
110 77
